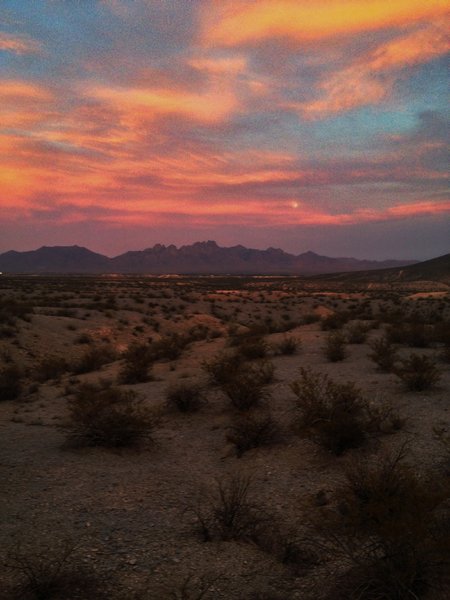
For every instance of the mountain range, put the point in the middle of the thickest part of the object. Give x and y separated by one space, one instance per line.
198 258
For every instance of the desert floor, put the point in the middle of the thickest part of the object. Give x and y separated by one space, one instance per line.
132 514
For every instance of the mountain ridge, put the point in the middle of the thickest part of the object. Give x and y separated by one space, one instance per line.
205 257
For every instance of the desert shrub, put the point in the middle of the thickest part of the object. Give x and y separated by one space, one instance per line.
10 382
334 321
247 387
263 370
52 573
252 348
93 359
169 347
137 364
229 513
418 372
393 526
289 345
415 334
102 415
356 332
247 432
185 397
335 349
50 367
222 368
334 415
309 318
83 338
443 436
384 354
12 309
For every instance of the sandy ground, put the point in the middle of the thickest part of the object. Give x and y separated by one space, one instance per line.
128 511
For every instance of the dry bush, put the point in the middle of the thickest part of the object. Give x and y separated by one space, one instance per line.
94 358
246 388
229 513
252 347
418 372
334 321
169 347
50 367
222 368
288 346
247 432
185 397
415 334
336 415
384 354
10 382
442 434
137 364
335 349
52 573
392 527
102 415
356 332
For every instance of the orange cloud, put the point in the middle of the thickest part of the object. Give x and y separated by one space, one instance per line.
370 79
211 106
235 22
18 44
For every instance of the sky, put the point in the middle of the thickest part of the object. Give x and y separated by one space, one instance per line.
306 125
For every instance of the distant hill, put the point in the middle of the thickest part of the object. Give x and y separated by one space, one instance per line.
198 258
54 259
435 269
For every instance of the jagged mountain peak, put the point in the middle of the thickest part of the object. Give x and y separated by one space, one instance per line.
203 257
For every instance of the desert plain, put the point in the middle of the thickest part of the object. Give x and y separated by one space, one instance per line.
273 411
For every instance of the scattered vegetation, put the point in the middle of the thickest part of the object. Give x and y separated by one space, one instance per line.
10 382
253 431
418 372
335 349
102 415
336 415
185 397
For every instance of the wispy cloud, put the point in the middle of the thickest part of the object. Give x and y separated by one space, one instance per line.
18 44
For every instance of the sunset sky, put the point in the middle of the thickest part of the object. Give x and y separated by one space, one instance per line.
307 125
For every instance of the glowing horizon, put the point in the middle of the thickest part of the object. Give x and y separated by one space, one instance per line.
304 125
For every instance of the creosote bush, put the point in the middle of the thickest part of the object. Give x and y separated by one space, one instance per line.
289 345
247 387
253 431
94 358
222 368
356 332
229 513
137 363
102 415
50 367
393 527
384 354
336 415
10 382
418 372
52 573
185 397
335 349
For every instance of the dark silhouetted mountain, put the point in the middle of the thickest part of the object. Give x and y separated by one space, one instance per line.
198 258
54 259
435 269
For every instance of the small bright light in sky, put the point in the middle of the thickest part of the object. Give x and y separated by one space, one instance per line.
127 123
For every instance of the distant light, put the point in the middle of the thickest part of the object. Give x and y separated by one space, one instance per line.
294 204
